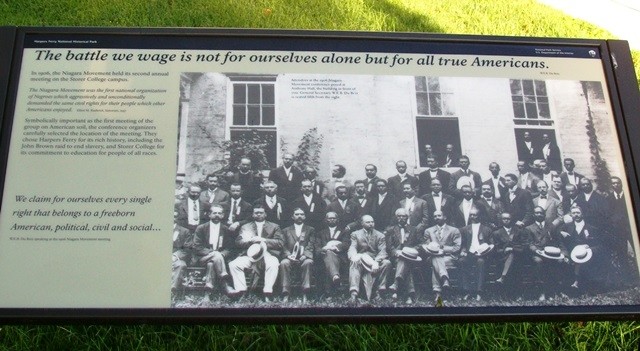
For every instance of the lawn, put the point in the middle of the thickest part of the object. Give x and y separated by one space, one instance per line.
487 17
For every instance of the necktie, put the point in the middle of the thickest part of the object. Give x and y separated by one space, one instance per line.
234 209
439 234
196 213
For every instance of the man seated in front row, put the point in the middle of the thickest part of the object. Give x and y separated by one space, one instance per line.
367 242
263 256
297 251
402 243
332 244
213 242
442 244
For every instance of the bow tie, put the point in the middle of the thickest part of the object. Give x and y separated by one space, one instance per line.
543 196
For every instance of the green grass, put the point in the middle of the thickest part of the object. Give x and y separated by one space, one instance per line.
487 17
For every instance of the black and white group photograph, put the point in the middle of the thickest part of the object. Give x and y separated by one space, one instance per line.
325 190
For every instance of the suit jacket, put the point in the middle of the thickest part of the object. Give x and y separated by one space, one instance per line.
319 188
492 210
225 245
425 181
419 215
596 210
347 216
288 188
374 246
553 209
363 205
502 188
554 194
538 237
183 213
393 234
564 177
449 160
279 214
270 231
246 212
589 235
484 236
447 206
453 183
370 185
216 197
531 183
517 239
315 218
521 207
324 236
250 185
553 157
451 239
384 213
527 154
306 239
183 244
460 221
395 185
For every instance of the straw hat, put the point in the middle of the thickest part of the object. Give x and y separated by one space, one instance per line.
581 254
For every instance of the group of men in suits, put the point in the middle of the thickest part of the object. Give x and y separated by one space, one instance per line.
380 231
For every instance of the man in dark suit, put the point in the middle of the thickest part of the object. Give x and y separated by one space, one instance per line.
463 208
570 176
346 210
439 201
548 272
399 236
182 253
191 211
368 241
472 261
517 202
493 207
620 240
214 195
277 207
496 181
527 149
240 211
288 178
416 208
397 182
526 179
297 251
511 248
464 176
269 237
214 245
595 208
550 152
370 181
250 181
361 199
450 158
449 241
335 254
312 204
430 174
591 275
383 206
318 186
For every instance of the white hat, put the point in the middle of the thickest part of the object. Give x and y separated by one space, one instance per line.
581 254
551 252
256 251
